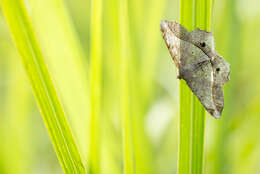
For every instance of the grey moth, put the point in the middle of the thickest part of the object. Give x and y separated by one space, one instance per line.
198 63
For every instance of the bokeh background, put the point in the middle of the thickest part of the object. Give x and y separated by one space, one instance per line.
63 29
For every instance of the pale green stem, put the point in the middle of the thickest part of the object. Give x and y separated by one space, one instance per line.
185 96
124 88
202 20
95 85
192 113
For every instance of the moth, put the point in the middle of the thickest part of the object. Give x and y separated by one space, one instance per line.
198 63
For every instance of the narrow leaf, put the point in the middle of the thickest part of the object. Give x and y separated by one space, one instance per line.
42 85
185 97
124 87
96 85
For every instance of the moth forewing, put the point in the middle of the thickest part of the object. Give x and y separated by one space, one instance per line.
172 42
203 40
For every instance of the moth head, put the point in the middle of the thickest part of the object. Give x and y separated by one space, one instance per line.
221 71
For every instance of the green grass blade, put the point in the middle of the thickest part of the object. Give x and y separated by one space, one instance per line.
185 98
198 134
124 87
203 11
192 114
95 85
42 85
143 74
112 141
66 62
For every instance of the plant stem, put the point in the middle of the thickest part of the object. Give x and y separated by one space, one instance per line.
124 88
203 11
96 86
185 125
192 113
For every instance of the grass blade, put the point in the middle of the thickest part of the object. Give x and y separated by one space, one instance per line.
203 11
192 114
143 74
112 139
185 95
95 85
42 85
124 90
66 62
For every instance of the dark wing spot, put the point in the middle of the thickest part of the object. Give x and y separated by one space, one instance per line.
218 69
202 44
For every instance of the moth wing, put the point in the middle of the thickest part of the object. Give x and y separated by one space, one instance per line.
178 30
198 36
182 52
173 34
221 70
199 78
172 42
218 97
221 73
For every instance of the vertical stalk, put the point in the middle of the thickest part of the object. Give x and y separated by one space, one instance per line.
143 75
124 88
95 85
193 14
111 142
203 11
185 126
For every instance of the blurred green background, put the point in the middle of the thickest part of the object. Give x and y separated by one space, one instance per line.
63 30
